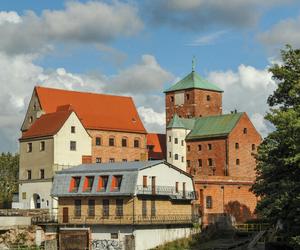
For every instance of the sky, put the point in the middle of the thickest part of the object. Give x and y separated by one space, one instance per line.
140 48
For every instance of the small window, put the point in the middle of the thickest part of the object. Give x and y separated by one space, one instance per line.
102 183
98 141
209 146
136 143
208 202
208 97
119 207
88 184
42 174
176 140
210 162
253 146
188 148
73 145
29 147
176 157
124 160
105 210
172 98
170 154
187 97
200 163
124 142
182 159
111 141
114 236
237 145
245 131
237 161
23 195
30 119
182 142
98 160
42 146
144 207
28 174
111 160
34 107
188 163
145 181
176 186
170 139
73 129
116 183
91 208
199 147
77 211
74 185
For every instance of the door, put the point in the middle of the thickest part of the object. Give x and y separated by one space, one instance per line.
153 185
65 215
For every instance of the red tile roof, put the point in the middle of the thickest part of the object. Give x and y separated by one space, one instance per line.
96 111
47 124
158 141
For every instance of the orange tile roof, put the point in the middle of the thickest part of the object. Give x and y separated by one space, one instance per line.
96 111
159 143
47 124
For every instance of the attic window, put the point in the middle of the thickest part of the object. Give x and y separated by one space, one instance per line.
74 185
34 107
116 183
88 183
102 183
73 129
245 131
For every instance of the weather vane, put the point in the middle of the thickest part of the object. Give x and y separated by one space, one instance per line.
193 63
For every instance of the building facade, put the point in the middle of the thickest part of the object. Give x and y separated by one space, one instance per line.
217 149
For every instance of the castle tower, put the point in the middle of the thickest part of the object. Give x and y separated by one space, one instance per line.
192 97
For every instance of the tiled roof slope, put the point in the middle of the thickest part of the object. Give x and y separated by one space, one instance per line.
158 141
47 124
96 111
193 81
208 126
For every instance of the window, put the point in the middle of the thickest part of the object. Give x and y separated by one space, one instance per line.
111 160
176 140
98 141
182 159
170 138
124 142
136 143
253 147
29 147
200 163
102 183
172 98
42 174
208 97
23 195
116 183
176 186
34 107
136 160
187 96
42 146
119 207
77 212
74 185
73 129
208 202
199 147
237 145
237 161
188 148
98 160
170 154
111 141
30 119
183 189
188 163
144 208
124 160
209 146
73 145
88 183
28 174
210 162
145 181
176 157
153 208
182 142
245 131
114 236
105 210
91 208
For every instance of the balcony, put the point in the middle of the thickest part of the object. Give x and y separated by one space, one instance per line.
166 190
117 220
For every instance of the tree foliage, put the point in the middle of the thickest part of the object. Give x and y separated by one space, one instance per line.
9 169
278 169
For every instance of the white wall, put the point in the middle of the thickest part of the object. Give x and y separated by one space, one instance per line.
180 134
62 153
166 176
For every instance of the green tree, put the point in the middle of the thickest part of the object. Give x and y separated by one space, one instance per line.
9 169
278 169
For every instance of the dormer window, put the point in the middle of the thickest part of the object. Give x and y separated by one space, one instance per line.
102 183
88 184
116 183
74 185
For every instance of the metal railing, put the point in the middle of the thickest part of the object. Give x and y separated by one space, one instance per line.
165 190
252 227
120 220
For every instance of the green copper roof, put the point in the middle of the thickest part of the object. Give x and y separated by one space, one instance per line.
193 80
178 122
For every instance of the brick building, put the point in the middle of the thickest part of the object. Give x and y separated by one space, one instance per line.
217 149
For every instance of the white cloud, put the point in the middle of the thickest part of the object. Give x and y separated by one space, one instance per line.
208 39
154 121
284 32
92 22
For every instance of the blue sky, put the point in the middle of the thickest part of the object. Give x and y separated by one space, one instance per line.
138 48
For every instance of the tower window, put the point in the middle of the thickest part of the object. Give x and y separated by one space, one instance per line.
42 173
199 147
237 161
253 147
200 162
182 159
209 146
29 147
245 131
208 97
172 98
182 142
188 163
176 140
170 139
187 96
210 162
237 145
28 174
42 146
176 156
170 154
188 148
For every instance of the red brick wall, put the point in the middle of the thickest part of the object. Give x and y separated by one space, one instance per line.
196 106
105 152
244 153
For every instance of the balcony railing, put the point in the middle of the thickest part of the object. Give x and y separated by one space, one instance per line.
119 220
165 190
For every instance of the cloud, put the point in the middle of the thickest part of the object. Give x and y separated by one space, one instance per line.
92 22
202 14
155 121
284 32
208 39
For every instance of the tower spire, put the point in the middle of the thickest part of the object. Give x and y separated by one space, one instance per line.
193 63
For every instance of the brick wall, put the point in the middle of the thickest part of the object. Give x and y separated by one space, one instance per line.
117 152
196 105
